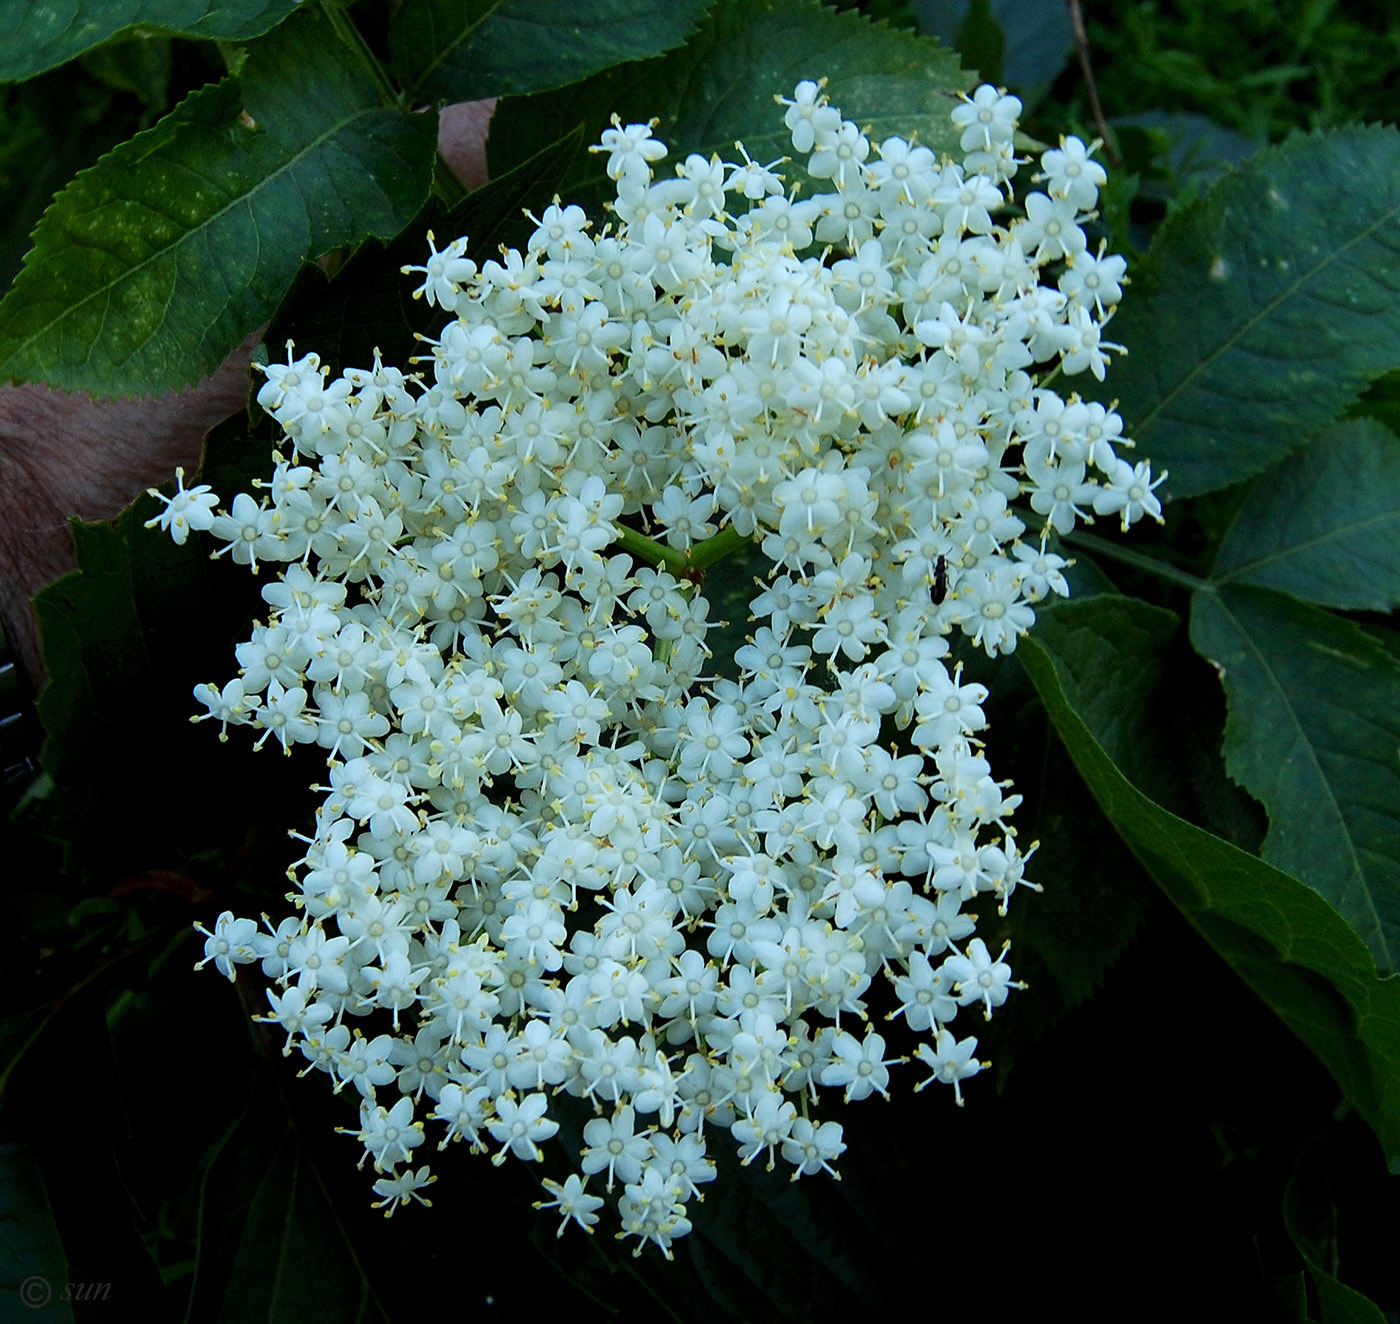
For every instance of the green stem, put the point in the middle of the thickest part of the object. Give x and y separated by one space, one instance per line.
705 554
1091 542
652 552
699 559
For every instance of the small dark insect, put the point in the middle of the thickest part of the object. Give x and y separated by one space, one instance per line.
940 581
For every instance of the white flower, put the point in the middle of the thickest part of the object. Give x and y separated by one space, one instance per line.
403 1188
520 1127
553 852
1072 175
444 274
230 942
572 1202
1130 492
951 1062
189 508
631 151
389 1134
987 117
976 977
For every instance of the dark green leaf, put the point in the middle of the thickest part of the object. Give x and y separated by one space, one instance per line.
761 1237
39 36
729 588
149 268
1194 150
1039 39
1264 308
141 619
1325 524
139 66
91 606
50 128
369 304
1381 401
719 89
1314 733
33 1270
1066 937
981 42
272 1247
463 50
1097 666
1339 1303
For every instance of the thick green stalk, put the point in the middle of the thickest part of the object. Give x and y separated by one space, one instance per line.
651 551
705 554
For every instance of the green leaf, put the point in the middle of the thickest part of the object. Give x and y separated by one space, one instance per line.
1038 38
265 1219
719 89
33 1270
729 588
1339 1303
142 618
50 128
76 612
1325 524
369 303
38 36
150 267
1314 733
1381 401
1065 938
1264 308
463 50
139 66
1097 666
981 42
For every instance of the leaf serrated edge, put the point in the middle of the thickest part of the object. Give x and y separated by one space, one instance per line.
163 131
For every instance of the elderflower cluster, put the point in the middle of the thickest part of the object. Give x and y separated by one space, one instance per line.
551 855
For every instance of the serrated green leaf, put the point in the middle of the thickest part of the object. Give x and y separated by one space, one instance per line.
1325 524
41 34
719 89
1381 401
150 267
1264 308
1096 666
1314 733
50 128
369 303
463 50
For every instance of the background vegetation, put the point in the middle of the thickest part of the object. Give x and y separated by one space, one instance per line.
1197 1105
